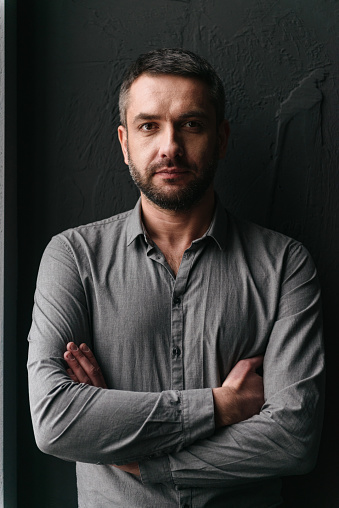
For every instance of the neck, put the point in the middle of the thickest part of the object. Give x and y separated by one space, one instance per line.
177 229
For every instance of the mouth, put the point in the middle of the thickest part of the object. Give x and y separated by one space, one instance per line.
172 170
171 173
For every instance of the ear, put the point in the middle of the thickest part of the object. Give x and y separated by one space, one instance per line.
122 135
223 135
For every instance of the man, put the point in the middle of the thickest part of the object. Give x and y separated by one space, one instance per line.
179 303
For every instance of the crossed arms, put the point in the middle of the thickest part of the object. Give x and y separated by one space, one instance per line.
240 396
189 437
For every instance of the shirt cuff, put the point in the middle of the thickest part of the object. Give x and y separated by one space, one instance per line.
198 414
198 423
156 470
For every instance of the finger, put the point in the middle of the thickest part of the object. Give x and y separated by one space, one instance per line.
256 362
89 355
97 373
72 376
88 363
132 468
242 369
249 364
76 368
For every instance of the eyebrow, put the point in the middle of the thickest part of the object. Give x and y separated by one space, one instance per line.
195 113
146 117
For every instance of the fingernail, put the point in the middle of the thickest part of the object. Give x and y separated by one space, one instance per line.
74 347
70 356
84 347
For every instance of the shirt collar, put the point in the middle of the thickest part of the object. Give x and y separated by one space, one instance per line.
134 224
217 229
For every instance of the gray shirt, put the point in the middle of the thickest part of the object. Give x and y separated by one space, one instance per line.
163 342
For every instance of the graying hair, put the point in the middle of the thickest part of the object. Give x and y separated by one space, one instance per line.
181 63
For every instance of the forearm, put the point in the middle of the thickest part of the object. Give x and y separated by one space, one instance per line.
88 424
284 438
277 442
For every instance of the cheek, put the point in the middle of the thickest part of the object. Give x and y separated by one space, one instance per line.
200 153
142 149
142 158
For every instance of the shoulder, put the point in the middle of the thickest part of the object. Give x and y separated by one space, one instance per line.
95 240
112 225
259 237
105 230
268 248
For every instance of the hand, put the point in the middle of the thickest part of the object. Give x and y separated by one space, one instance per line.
83 367
241 394
132 468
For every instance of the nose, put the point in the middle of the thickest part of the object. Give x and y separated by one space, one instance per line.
171 144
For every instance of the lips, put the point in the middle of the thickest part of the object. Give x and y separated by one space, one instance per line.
171 171
171 174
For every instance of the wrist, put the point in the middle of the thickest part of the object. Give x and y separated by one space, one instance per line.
225 408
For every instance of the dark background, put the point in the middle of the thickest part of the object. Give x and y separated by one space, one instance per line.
279 64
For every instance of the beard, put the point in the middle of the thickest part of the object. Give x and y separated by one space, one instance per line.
176 199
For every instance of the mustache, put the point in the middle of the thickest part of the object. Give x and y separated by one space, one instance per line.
168 164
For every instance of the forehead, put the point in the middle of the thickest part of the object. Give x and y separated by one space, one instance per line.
168 94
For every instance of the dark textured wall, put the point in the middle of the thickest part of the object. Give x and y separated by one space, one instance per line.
279 64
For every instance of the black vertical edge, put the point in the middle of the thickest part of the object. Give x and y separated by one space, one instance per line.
10 259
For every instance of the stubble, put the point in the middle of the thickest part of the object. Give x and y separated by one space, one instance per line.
178 198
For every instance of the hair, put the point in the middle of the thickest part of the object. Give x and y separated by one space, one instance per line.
178 62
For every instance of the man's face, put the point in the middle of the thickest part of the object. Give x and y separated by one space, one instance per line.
172 142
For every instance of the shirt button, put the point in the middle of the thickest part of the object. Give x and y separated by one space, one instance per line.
176 351
177 300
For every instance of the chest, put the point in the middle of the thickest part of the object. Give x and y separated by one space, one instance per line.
152 331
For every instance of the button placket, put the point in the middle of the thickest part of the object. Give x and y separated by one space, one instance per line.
177 331
156 255
176 351
177 321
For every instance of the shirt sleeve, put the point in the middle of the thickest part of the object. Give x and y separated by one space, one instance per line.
84 423
283 439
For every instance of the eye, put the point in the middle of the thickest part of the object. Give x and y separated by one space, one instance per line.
147 127
194 125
